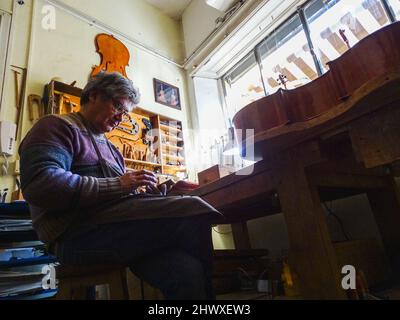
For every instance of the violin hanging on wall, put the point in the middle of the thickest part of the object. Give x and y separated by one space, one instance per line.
114 55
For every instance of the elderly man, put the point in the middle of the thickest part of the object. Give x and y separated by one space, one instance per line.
84 204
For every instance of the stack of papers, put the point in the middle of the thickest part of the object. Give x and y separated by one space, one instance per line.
15 224
18 281
22 256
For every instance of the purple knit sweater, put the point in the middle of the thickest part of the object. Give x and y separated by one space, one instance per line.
61 176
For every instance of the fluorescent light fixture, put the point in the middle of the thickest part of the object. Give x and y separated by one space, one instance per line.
221 5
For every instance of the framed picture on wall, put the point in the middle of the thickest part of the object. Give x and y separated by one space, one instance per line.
166 94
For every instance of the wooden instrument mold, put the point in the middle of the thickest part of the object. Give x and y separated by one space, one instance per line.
114 55
359 73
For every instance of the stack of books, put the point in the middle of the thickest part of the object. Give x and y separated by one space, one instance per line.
26 269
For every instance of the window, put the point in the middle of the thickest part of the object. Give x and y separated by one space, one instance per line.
285 60
395 4
211 119
243 85
337 25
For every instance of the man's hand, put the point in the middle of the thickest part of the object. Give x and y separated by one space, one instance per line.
132 180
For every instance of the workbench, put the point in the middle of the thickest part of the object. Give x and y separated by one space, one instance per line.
355 149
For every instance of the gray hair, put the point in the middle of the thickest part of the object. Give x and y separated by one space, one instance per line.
111 85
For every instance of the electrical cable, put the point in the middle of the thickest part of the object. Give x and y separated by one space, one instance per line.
330 211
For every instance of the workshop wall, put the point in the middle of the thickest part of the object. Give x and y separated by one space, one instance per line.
69 52
18 55
6 5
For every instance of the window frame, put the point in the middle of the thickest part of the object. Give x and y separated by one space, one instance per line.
317 61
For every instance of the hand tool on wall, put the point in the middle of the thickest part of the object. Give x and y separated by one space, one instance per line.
16 81
32 99
21 93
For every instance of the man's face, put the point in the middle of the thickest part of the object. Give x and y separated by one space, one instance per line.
107 113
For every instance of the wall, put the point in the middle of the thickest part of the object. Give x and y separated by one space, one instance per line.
19 46
6 5
18 56
138 19
198 21
69 52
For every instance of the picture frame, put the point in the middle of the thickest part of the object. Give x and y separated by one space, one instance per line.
166 94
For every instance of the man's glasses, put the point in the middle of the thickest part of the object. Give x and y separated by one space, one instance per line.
119 109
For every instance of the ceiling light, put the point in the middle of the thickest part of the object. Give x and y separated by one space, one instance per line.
221 5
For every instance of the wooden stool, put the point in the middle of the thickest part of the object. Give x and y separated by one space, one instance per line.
75 282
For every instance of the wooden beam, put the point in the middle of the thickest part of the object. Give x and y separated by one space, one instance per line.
241 237
346 180
385 204
376 137
248 187
311 249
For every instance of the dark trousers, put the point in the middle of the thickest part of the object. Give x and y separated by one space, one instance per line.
174 255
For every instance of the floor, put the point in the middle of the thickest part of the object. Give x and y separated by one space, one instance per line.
390 294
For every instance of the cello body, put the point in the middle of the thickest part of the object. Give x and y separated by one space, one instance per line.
288 112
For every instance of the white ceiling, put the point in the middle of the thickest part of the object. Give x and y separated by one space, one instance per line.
173 8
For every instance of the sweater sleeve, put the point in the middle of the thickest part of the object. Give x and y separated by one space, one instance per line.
46 179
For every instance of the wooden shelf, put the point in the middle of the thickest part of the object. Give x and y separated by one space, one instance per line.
152 164
171 138
169 128
172 147
173 157
175 168
169 134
